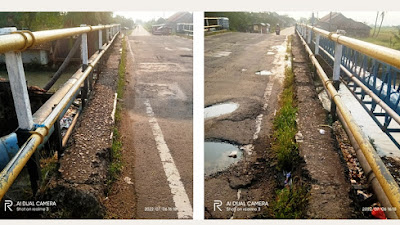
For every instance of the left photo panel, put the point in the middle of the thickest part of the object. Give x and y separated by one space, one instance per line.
96 112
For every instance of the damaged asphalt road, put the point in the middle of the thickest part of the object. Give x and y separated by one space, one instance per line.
233 62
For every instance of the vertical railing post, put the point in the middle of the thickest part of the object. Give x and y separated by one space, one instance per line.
100 39
317 36
22 105
336 76
16 75
305 32
309 36
108 34
85 59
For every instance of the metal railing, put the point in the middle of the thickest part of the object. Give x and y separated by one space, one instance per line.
371 73
35 129
391 57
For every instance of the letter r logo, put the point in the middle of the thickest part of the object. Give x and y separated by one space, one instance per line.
217 204
8 204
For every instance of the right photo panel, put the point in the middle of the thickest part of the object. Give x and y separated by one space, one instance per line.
302 115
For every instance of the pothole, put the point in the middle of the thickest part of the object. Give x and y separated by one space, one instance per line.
219 156
220 109
264 73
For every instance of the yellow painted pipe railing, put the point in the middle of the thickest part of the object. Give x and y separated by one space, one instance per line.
17 163
384 54
382 174
21 40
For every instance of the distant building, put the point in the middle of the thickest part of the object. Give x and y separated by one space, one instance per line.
176 20
336 21
161 29
216 23
262 28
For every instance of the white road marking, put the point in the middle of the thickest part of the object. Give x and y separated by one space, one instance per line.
180 197
267 93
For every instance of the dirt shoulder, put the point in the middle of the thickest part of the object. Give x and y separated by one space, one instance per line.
329 194
81 183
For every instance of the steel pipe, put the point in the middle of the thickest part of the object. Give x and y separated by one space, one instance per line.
377 188
21 40
17 163
385 179
384 54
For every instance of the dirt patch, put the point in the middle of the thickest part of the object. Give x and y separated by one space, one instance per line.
329 194
121 200
79 189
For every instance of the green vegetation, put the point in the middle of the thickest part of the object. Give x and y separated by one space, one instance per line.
35 21
116 149
240 21
48 168
290 203
388 37
148 25
285 129
292 200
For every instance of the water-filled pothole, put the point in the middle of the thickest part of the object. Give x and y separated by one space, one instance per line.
219 156
264 73
220 109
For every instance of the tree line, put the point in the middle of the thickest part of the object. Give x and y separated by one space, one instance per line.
35 21
241 21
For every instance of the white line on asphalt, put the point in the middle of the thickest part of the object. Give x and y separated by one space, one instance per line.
179 194
267 93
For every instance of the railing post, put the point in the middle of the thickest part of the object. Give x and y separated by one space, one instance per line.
317 36
85 58
305 32
336 76
22 105
100 39
108 34
16 75
309 36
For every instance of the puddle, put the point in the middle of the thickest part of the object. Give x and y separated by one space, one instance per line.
264 73
220 109
216 156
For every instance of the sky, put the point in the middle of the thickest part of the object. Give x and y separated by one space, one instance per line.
392 18
145 15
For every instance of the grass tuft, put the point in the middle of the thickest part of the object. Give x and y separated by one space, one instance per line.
116 164
285 128
290 203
